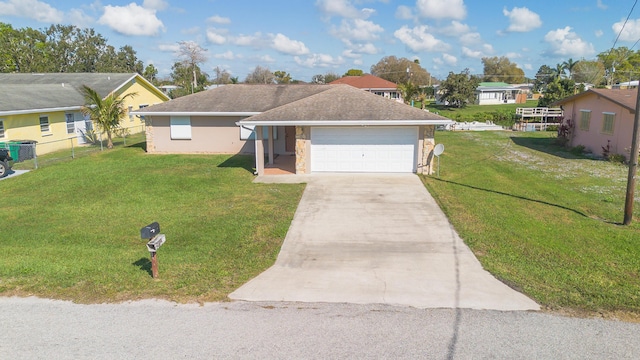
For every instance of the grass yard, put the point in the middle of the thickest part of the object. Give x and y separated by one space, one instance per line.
72 231
503 114
543 220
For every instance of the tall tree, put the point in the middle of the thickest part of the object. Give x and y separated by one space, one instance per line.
331 76
317 79
569 65
501 69
221 76
181 75
353 72
401 70
260 75
459 89
192 55
543 77
588 71
282 77
556 90
151 73
106 113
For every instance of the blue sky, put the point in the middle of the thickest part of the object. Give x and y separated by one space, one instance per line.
308 37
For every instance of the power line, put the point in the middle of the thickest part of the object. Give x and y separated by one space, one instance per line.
623 25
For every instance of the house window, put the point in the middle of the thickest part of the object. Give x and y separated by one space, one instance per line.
44 123
608 123
142 106
395 95
585 119
130 113
71 125
180 128
1 128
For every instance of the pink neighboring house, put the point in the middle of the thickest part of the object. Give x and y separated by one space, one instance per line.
601 117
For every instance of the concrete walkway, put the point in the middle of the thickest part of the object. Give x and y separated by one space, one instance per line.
376 239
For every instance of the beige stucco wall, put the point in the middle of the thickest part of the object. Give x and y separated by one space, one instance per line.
593 139
209 135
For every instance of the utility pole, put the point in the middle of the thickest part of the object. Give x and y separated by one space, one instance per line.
633 165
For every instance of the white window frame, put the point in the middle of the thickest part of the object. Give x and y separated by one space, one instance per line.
45 128
581 125
130 112
180 127
72 129
604 122
1 128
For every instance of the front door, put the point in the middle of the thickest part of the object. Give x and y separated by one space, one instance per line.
290 139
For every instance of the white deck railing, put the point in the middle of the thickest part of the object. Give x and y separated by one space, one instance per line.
539 112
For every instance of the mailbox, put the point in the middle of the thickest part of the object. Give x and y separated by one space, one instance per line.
154 244
149 231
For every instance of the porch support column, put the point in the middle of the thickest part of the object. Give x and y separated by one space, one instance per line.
270 144
259 151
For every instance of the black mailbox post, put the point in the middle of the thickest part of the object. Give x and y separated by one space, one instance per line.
152 232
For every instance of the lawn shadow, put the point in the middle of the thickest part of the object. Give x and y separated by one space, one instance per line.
239 161
144 264
142 145
522 198
545 145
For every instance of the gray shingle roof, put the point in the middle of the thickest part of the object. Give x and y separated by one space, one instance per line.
54 90
344 103
238 98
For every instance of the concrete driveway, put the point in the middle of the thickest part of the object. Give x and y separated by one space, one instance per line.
377 239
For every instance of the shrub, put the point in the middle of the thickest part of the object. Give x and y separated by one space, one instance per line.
577 150
617 158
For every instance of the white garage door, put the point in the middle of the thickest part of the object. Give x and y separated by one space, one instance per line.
364 149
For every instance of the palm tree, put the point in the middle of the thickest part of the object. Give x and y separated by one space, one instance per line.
558 72
569 65
106 113
408 91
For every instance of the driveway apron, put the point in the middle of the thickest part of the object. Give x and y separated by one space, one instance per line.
374 238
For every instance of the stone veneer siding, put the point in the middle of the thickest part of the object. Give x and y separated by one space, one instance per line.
428 143
149 135
301 150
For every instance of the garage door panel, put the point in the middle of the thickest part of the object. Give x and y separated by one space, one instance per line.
364 149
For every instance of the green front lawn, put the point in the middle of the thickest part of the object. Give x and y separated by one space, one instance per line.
72 230
541 219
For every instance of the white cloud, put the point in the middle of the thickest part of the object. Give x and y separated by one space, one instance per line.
472 53
191 31
158 5
228 55
488 48
602 6
287 46
358 62
631 31
599 33
366 48
169 47
256 40
522 19
342 8
450 59
566 43
527 66
456 29
216 36
442 9
79 18
267 59
350 54
219 20
419 39
404 13
358 29
131 20
319 60
470 38
32 9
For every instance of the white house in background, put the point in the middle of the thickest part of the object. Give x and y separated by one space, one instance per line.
492 93
625 85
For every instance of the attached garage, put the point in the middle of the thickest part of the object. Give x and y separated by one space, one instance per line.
364 149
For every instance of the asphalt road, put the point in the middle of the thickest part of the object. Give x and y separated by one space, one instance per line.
32 328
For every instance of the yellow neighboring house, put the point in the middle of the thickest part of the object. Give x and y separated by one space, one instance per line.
45 108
